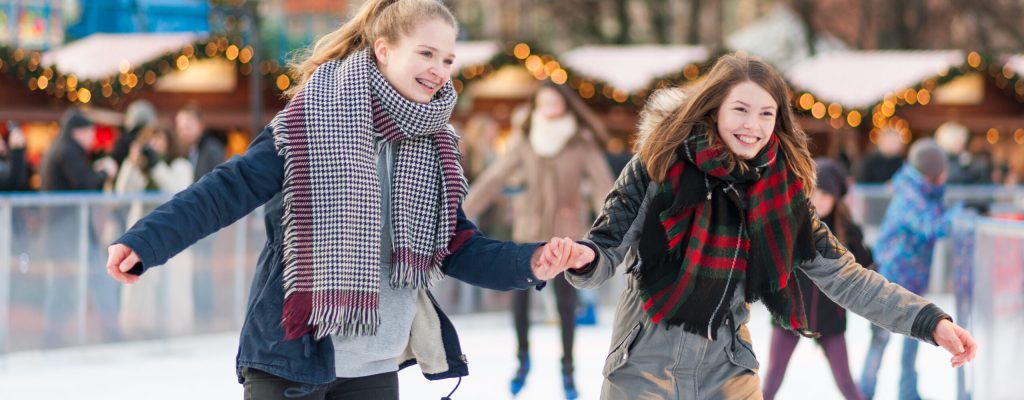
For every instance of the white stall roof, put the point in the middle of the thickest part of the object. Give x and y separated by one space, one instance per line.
860 79
474 52
631 68
101 55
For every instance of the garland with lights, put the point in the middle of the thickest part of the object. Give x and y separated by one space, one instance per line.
882 113
543 66
25 66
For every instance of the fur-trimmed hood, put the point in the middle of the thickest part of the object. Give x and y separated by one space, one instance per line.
661 103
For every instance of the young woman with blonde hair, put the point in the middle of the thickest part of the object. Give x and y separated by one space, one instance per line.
363 189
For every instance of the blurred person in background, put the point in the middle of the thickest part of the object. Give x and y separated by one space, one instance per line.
555 148
479 137
826 317
13 166
139 114
203 150
915 220
952 138
66 166
160 305
881 164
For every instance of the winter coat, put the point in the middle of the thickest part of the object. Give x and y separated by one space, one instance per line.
553 202
915 219
245 182
662 361
66 166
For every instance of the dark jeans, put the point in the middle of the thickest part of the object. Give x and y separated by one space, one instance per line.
260 385
565 297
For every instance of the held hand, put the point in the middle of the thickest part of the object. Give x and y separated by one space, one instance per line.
956 341
121 259
585 256
558 255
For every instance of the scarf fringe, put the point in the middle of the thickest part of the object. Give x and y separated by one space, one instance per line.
347 321
297 307
414 270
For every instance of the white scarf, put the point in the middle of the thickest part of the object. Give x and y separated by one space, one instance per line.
549 136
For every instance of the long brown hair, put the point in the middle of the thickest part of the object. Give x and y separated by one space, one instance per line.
585 117
842 218
658 151
388 19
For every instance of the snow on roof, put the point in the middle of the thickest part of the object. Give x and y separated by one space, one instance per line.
1016 62
631 68
472 53
860 79
780 38
101 55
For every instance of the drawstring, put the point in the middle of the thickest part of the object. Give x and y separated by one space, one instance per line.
732 268
449 396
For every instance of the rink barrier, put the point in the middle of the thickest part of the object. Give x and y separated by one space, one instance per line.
54 291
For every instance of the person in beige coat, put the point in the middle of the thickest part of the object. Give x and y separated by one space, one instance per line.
555 152
161 305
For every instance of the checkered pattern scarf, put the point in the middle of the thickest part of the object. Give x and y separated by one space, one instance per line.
709 228
332 195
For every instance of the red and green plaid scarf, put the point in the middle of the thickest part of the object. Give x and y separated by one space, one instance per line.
710 228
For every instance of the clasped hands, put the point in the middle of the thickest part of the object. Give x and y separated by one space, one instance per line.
558 255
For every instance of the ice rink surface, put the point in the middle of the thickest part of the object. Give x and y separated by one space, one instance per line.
202 367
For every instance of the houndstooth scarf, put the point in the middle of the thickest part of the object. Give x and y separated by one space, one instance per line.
332 195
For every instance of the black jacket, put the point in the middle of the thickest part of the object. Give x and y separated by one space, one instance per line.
209 153
66 166
14 172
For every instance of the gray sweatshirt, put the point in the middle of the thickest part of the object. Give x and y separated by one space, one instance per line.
357 356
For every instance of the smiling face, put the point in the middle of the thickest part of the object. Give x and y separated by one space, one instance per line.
550 103
746 119
418 64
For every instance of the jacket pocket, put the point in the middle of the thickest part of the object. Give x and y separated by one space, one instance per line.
620 353
740 351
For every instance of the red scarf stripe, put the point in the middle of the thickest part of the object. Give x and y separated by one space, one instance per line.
698 235
674 172
769 206
677 291
777 259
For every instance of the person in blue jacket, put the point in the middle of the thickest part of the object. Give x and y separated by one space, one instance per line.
915 220
362 188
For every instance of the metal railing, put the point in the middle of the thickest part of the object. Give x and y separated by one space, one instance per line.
54 290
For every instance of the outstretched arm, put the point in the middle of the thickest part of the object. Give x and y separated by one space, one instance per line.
886 304
223 196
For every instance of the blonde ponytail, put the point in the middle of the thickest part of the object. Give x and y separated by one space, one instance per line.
390 19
